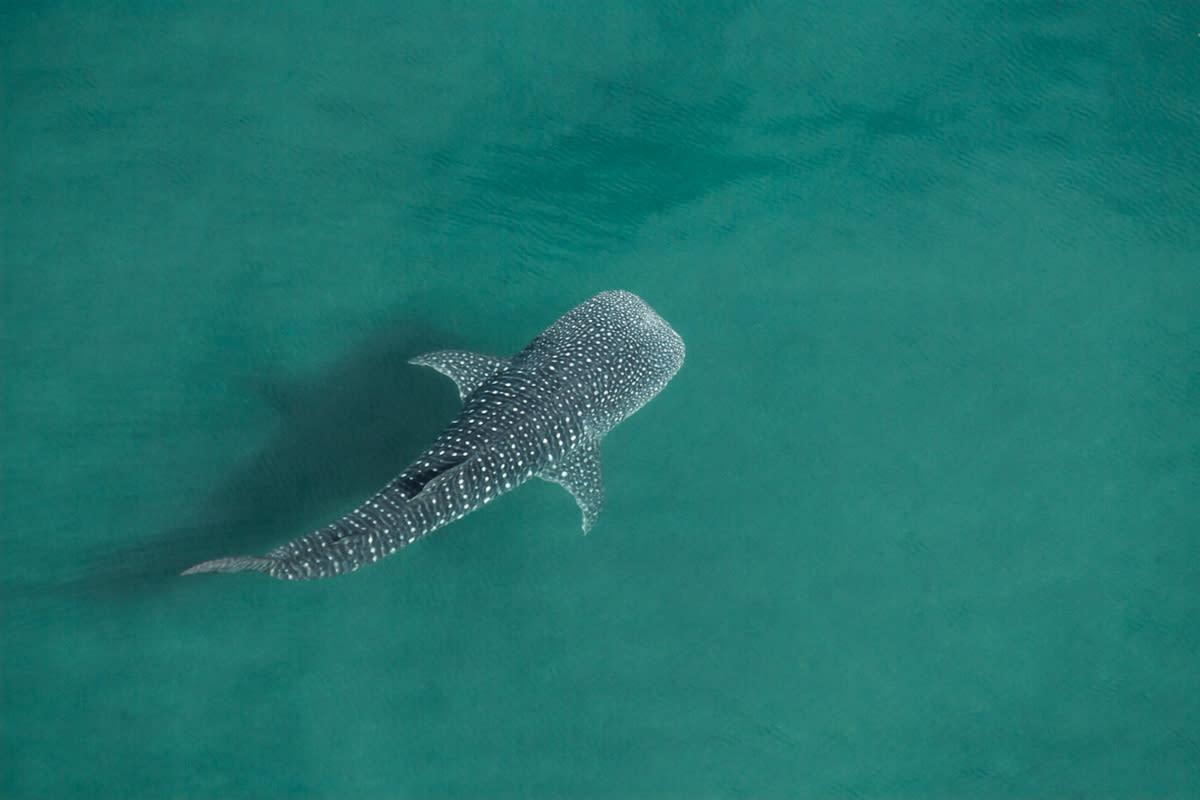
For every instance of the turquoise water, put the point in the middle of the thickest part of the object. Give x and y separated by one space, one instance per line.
918 517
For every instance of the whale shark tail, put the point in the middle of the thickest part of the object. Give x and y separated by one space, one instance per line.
235 564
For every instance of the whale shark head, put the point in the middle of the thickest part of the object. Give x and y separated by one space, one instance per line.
653 347
620 350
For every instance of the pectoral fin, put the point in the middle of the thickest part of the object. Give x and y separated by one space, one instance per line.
581 474
468 370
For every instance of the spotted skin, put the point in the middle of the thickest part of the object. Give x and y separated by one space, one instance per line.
541 413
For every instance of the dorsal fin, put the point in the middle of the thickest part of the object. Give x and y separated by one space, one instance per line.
468 370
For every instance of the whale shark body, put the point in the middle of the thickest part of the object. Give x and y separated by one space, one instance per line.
541 413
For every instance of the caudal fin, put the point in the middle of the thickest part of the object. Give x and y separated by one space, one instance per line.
235 564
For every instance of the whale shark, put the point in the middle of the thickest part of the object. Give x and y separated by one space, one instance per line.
541 413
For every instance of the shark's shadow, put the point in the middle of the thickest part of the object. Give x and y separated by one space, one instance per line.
342 434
